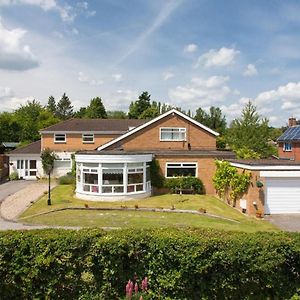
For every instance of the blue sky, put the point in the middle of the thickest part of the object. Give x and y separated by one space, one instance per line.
188 53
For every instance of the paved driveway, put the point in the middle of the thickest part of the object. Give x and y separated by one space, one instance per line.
11 187
287 222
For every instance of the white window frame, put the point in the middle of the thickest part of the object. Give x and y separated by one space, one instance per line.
84 135
60 134
287 147
180 165
176 129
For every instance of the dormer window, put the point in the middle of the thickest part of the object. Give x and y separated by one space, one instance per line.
88 138
60 138
172 134
287 147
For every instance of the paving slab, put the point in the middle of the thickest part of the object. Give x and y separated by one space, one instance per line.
287 222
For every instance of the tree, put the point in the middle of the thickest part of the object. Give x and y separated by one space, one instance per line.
214 119
96 109
64 108
116 114
48 157
250 133
149 113
51 105
80 113
138 107
9 128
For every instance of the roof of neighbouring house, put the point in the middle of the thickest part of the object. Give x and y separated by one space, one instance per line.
10 144
32 148
291 134
118 126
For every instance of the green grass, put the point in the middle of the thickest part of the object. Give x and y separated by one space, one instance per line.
62 196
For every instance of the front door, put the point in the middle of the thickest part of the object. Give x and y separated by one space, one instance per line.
26 168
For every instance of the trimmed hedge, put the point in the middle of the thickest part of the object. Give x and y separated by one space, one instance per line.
66 179
180 264
185 183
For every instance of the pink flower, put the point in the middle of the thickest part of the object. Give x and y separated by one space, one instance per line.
145 284
129 288
136 288
141 298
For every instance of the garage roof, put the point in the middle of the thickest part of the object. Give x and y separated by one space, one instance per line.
265 164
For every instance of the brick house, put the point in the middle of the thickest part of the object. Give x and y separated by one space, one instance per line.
119 169
289 141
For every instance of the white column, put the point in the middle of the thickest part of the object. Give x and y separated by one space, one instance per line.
100 178
125 177
144 176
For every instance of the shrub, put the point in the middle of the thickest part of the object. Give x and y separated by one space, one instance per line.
157 179
13 176
189 182
179 264
66 179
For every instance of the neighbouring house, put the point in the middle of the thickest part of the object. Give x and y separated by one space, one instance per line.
274 187
4 159
119 169
64 139
289 141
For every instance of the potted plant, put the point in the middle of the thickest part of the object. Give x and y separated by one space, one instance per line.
259 214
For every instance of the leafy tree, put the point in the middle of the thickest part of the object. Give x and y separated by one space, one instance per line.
138 107
116 114
9 128
51 105
96 109
64 108
214 119
80 113
250 133
48 157
149 113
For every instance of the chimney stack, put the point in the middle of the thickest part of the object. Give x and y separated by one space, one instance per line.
292 122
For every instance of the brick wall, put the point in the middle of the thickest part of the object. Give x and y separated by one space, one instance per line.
74 142
294 154
206 169
149 138
4 166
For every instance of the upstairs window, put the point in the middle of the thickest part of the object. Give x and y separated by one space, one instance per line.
60 138
172 134
88 138
287 147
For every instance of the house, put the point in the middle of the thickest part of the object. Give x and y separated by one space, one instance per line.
274 187
289 141
119 169
65 138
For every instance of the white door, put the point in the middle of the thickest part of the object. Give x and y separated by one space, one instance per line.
27 168
282 195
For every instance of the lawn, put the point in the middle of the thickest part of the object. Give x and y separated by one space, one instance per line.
62 196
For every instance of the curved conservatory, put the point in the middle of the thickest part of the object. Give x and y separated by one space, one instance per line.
112 177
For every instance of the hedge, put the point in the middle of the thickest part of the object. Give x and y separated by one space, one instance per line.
180 264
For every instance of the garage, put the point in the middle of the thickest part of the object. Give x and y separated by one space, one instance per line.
282 195
274 186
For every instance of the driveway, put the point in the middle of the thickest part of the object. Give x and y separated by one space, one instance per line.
11 187
287 222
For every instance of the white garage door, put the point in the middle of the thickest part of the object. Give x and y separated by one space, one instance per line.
282 195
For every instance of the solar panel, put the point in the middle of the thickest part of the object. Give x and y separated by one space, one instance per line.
291 134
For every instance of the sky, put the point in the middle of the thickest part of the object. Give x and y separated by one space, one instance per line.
187 53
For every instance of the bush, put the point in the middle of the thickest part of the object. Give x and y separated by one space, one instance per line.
185 183
180 264
66 179
13 176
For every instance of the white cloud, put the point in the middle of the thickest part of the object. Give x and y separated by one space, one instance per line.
75 31
117 77
66 12
190 48
201 92
82 77
250 71
58 35
121 98
218 58
167 75
14 55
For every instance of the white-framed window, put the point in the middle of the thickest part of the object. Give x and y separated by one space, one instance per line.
176 169
60 138
287 147
172 134
88 138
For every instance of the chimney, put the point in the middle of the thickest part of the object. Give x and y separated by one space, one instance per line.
292 122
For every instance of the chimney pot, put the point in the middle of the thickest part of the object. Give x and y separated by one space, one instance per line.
292 122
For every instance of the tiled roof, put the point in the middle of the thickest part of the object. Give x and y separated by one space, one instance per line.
94 125
33 148
291 134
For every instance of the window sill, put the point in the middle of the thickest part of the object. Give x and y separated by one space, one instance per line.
57 142
287 150
172 140
88 142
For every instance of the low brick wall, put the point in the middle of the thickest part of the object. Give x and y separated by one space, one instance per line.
4 167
